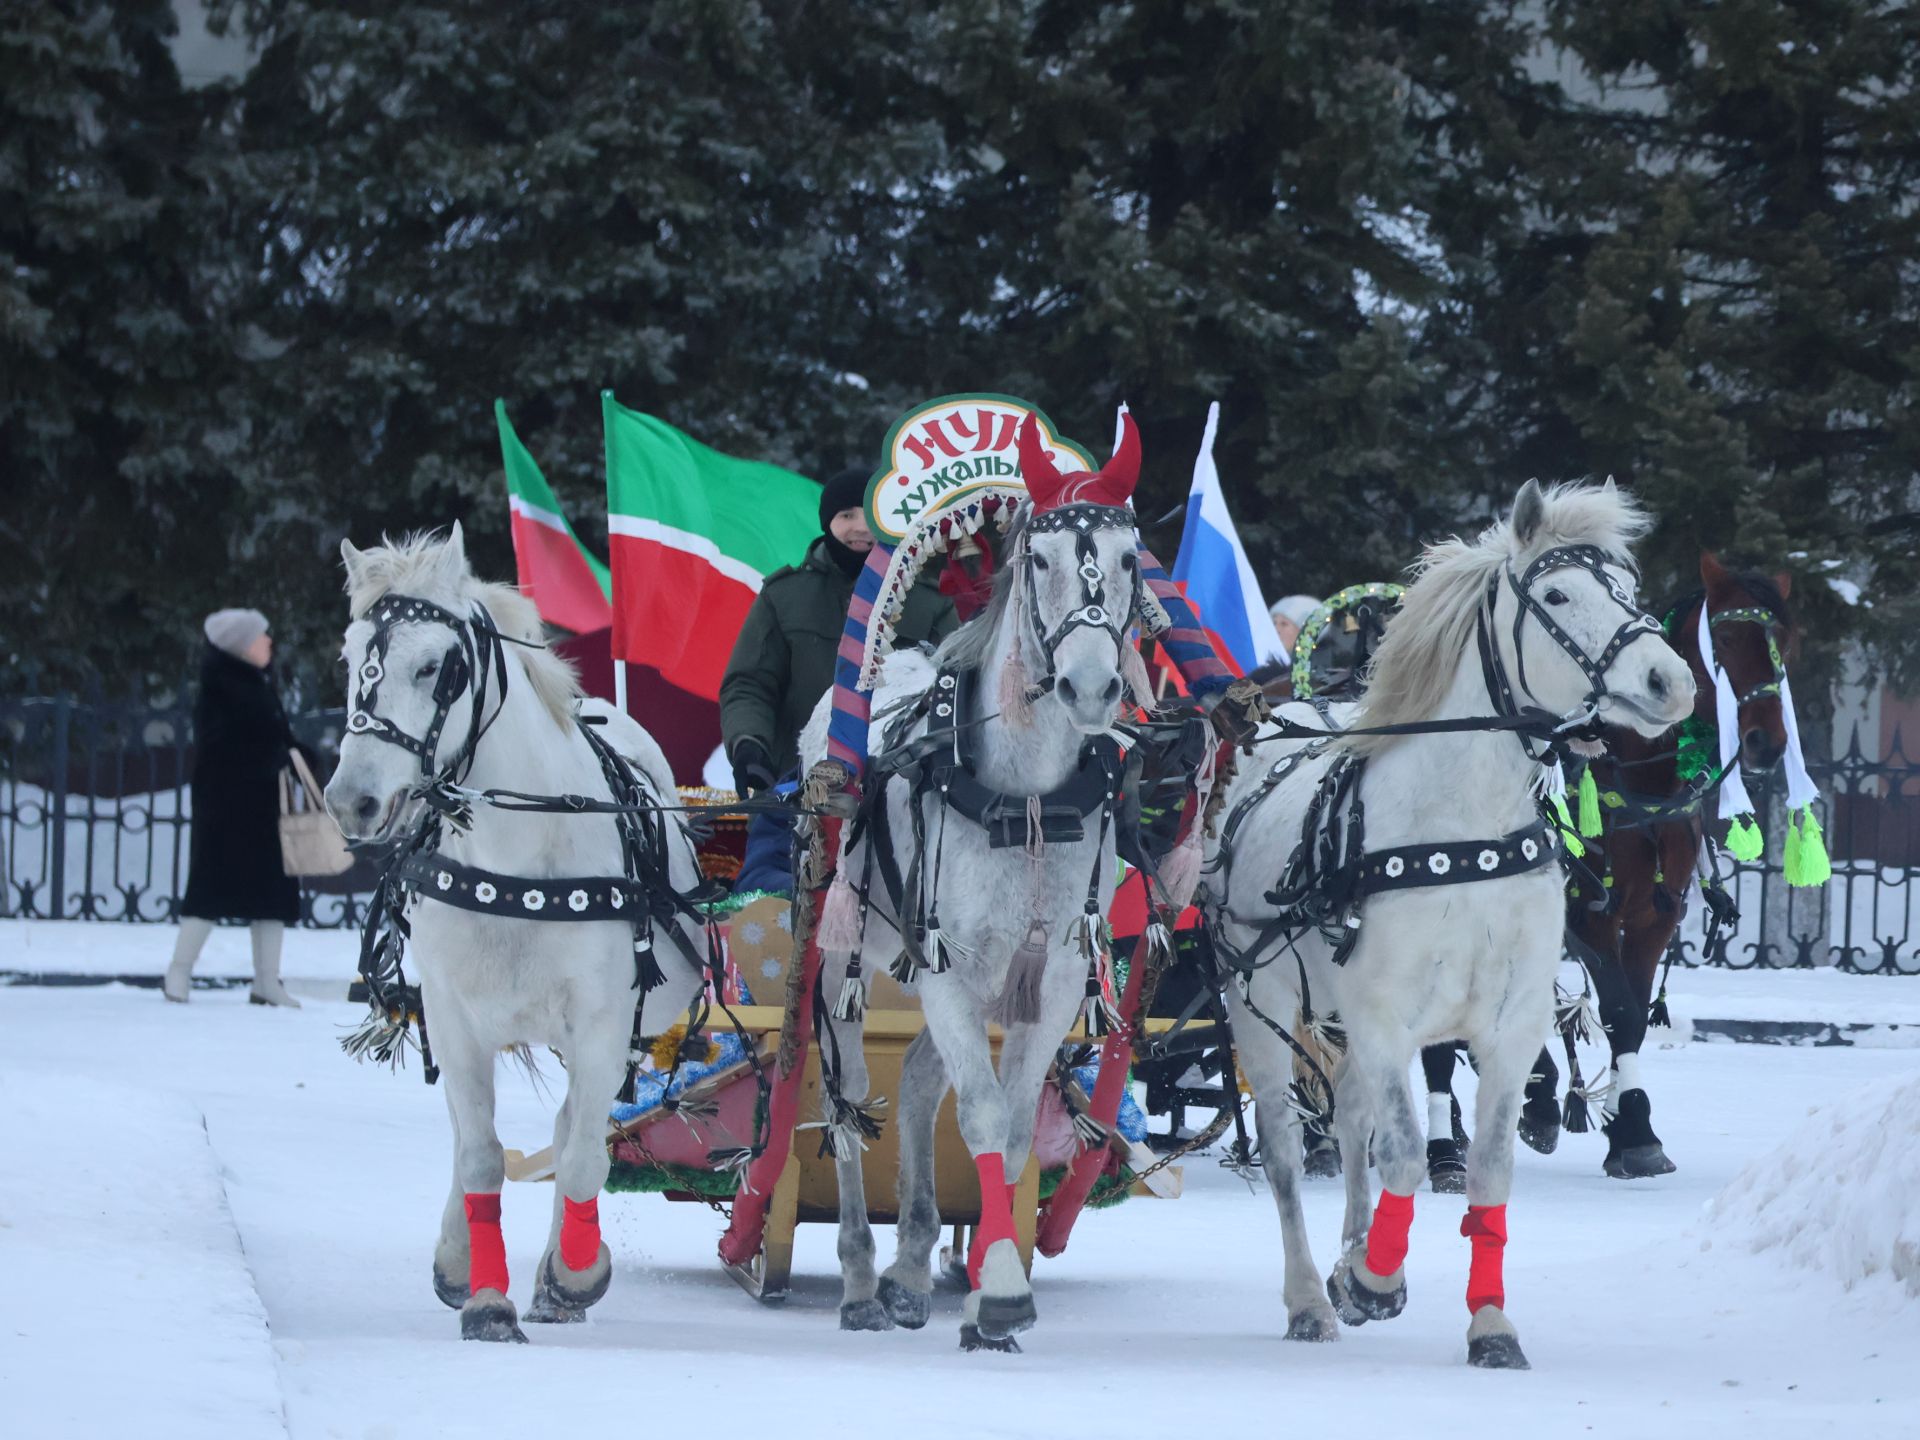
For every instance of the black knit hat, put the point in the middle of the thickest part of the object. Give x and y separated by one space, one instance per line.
844 491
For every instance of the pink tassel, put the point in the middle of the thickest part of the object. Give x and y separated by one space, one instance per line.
840 917
1134 671
1016 707
1180 875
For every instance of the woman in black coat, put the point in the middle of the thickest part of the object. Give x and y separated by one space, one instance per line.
242 738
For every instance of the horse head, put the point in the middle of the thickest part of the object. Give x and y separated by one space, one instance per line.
414 664
1580 638
1752 632
1079 587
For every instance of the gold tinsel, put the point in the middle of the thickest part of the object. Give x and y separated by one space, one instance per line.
667 1048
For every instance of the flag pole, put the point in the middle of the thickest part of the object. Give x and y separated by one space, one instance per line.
620 684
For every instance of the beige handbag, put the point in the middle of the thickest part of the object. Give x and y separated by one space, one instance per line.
310 843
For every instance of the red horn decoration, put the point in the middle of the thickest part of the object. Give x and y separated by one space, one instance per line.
1037 467
1121 473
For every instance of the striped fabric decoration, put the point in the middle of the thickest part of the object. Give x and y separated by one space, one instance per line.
1185 642
852 706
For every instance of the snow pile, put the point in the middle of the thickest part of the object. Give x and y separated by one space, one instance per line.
1841 1195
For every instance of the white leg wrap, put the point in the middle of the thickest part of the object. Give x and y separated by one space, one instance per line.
1439 1116
1490 1320
1001 1272
1626 1076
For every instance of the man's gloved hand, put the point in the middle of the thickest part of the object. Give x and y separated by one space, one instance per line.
752 767
1240 712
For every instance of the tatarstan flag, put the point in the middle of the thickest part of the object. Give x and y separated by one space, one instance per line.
691 534
572 589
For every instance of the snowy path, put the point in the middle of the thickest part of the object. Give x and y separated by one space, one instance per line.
1161 1315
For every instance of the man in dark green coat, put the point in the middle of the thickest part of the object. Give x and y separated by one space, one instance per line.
783 659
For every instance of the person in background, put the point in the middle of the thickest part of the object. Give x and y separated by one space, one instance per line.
241 739
783 660
1289 615
1275 678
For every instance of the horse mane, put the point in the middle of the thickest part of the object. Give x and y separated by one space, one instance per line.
970 647
1413 669
425 563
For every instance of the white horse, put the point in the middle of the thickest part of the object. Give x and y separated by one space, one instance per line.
1011 917
1434 961
436 696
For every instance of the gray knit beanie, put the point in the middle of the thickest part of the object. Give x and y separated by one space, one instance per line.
1297 608
234 630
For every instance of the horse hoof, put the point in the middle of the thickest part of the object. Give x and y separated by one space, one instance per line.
1633 1150
1356 1302
1323 1160
1001 1316
490 1316
972 1339
452 1296
865 1315
1446 1169
1639 1162
1315 1323
565 1290
1497 1352
909 1309
1540 1129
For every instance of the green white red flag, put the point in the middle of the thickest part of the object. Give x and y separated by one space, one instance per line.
691 534
572 588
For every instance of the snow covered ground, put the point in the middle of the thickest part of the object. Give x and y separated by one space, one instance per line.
268 1274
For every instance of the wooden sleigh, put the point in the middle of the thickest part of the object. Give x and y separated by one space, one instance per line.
793 1183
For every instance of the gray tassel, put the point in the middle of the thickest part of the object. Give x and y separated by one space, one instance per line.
852 1004
1019 1002
936 947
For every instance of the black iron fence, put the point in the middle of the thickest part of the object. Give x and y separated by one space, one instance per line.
95 811
95 816
1864 918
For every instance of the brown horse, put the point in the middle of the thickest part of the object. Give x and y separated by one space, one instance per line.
1623 914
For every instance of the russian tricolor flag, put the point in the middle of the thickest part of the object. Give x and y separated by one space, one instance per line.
1212 567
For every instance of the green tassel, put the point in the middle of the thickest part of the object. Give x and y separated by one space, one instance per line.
1806 863
1589 804
1567 833
1743 840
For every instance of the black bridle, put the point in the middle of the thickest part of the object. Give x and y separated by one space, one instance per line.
1766 620
1502 689
1082 521
477 653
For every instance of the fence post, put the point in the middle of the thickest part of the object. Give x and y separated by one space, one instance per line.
57 811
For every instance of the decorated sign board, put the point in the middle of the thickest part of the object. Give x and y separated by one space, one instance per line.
950 467
945 450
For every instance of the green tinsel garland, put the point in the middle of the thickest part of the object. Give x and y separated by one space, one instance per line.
1699 747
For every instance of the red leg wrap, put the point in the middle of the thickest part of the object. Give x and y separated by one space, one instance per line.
580 1233
487 1262
996 1212
1387 1236
1486 1227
